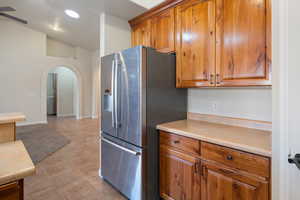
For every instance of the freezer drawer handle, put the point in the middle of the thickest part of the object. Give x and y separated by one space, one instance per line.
120 147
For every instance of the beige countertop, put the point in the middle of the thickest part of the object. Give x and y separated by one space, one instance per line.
245 139
15 162
11 117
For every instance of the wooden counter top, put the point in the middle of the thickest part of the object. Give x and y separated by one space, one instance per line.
15 162
245 139
11 117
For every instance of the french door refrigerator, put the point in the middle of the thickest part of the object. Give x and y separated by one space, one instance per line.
138 92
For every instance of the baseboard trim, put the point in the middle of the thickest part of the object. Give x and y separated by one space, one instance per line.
99 173
31 123
67 115
240 122
95 117
85 117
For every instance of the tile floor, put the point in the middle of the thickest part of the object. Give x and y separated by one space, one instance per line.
72 172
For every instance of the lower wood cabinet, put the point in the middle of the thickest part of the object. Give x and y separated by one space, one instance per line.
12 191
179 175
219 183
186 175
8 132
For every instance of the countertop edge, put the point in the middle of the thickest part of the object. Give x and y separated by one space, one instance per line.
12 117
228 144
17 176
16 148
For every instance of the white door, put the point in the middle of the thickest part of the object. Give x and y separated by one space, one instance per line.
293 95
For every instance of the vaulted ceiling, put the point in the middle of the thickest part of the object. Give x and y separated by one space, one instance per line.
48 16
147 3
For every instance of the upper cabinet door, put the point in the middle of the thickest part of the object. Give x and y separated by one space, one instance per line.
243 43
163 30
141 34
195 43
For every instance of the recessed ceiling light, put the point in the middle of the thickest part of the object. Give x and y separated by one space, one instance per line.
56 28
72 13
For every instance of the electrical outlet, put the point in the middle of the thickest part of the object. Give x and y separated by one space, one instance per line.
214 106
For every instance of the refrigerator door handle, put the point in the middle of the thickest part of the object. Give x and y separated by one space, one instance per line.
113 93
116 93
122 148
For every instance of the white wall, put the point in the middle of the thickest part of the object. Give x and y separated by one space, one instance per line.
59 49
65 92
249 103
30 43
23 72
84 58
115 34
96 84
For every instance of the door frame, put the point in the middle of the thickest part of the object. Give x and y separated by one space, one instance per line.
280 143
79 88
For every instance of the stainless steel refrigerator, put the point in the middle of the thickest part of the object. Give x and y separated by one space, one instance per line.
138 92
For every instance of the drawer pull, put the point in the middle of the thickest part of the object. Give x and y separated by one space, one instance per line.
226 171
176 142
229 157
236 159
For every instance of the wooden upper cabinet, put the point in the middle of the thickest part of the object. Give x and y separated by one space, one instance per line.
220 183
163 30
242 42
141 34
179 175
218 43
195 43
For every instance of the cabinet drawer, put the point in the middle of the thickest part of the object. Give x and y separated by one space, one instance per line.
185 144
236 159
11 191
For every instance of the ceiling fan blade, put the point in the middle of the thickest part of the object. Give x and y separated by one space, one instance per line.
7 9
14 18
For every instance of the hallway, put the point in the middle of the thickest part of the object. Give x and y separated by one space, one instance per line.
71 173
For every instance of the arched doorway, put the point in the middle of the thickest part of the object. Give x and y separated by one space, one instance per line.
68 84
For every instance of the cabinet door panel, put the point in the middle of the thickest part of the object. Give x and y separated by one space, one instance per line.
222 187
163 28
195 43
179 178
241 38
141 34
12 191
220 183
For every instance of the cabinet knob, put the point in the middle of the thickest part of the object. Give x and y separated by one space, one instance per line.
176 142
229 157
